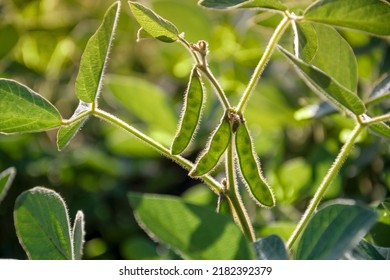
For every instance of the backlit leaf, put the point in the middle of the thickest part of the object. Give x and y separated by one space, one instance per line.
365 15
261 4
319 81
153 24
23 110
93 62
381 91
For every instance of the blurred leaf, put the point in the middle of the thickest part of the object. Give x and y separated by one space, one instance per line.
314 111
93 62
323 47
380 232
380 92
261 4
9 32
326 85
67 132
196 232
23 110
78 234
270 248
364 15
144 100
153 24
282 229
42 225
6 178
364 251
335 229
386 204
385 252
381 129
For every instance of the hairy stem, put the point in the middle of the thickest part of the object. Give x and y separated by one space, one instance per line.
234 197
343 154
186 164
263 62
202 65
383 118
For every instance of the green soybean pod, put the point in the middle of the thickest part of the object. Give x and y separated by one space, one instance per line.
190 116
216 146
250 168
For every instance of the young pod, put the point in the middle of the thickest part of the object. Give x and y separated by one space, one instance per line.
250 168
216 146
190 117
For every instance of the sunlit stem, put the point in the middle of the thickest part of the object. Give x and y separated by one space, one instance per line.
186 164
233 194
343 154
263 62
201 63
383 118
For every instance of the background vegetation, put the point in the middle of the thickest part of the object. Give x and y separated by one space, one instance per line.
40 46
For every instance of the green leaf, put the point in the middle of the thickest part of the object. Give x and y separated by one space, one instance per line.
364 251
386 204
144 100
8 31
380 92
89 81
196 232
334 230
23 110
67 132
270 248
6 178
261 4
78 234
323 47
365 15
385 252
153 24
327 86
381 129
42 225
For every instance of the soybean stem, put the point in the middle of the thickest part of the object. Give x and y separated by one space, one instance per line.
186 164
234 195
374 120
263 62
343 154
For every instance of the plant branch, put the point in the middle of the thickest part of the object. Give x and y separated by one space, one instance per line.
383 118
186 164
199 53
263 62
343 154
233 194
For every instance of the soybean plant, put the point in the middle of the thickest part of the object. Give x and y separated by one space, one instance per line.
198 232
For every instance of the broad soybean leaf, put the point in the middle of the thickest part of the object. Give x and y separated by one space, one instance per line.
365 15
334 230
381 129
191 114
380 92
270 248
261 4
23 110
153 24
364 251
6 178
196 232
78 234
323 47
89 81
67 132
250 168
340 96
42 225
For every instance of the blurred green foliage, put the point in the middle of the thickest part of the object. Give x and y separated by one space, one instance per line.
41 42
